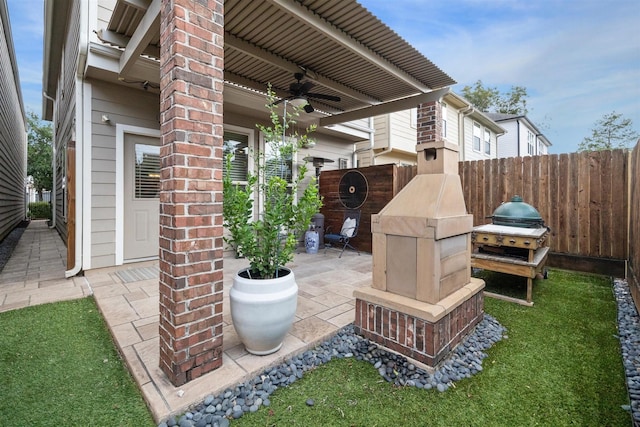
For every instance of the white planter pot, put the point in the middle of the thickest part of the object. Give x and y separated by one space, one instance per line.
263 311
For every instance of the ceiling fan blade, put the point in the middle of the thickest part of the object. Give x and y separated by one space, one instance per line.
323 96
305 87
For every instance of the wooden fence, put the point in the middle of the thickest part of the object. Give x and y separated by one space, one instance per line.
633 270
583 197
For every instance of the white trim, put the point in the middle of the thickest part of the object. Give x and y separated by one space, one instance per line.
86 175
121 130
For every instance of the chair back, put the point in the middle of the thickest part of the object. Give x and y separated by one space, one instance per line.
353 214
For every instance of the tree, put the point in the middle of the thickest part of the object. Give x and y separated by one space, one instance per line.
39 153
489 99
610 132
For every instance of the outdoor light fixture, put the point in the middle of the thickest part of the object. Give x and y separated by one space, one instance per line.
299 101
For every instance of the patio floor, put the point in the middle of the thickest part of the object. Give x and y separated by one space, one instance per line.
128 299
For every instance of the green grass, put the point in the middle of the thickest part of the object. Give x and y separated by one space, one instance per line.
559 366
59 367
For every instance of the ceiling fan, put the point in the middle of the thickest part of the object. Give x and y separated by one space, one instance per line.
300 94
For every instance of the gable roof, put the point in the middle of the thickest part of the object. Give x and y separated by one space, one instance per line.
338 44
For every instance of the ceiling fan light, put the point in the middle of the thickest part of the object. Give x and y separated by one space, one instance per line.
299 101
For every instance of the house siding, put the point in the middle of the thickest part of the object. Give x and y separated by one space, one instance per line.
13 136
64 115
117 103
508 143
452 125
381 136
469 152
403 134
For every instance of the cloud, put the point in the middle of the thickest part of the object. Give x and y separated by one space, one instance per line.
578 60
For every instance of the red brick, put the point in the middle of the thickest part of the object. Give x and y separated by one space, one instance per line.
393 325
402 328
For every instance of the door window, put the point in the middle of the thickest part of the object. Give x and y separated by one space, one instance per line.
147 172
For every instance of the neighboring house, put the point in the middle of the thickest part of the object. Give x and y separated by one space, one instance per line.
102 92
13 133
522 138
395 137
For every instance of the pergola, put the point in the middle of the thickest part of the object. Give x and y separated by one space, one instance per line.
202 54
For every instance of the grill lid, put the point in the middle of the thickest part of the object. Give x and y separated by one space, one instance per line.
517 213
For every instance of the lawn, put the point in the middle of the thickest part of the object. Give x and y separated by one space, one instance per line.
59 367
559 366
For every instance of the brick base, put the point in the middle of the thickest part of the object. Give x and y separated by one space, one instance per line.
416 338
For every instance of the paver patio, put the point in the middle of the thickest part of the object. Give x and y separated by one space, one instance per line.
128 299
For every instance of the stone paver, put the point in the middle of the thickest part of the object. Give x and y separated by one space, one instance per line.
35 273
128 300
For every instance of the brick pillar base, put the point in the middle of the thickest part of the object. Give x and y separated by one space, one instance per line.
416 338
191 82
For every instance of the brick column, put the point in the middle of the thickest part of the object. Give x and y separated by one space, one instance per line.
429 122
191 82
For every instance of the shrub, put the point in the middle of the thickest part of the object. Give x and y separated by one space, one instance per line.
40 210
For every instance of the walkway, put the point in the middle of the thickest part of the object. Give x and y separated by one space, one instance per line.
128 299
35 272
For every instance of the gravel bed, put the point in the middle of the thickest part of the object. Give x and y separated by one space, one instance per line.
464 362
629 334
9 243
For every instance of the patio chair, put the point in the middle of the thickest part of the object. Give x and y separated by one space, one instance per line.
348 231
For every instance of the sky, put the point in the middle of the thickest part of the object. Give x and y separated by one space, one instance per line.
578 59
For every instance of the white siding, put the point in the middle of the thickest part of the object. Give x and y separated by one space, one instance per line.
508 143
452 125
382 131
403 135
13 137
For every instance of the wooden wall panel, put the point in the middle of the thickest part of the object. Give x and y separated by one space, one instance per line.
585 198
383 181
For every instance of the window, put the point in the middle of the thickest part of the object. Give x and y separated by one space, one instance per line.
487 142
342 163
540 148
530 143
477 135
147 173
444 121
237 145
277 164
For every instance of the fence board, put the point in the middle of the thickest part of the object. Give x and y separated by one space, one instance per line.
527 181
595 229
606 207
490 201
553 193
573 192
620 203
581 196
633 267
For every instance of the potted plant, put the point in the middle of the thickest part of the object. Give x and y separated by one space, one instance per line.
264 296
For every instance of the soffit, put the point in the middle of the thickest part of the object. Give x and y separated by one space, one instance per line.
338 44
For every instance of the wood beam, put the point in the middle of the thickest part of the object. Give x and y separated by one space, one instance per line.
389 107
148 27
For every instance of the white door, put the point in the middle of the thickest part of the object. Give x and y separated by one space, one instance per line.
141 196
